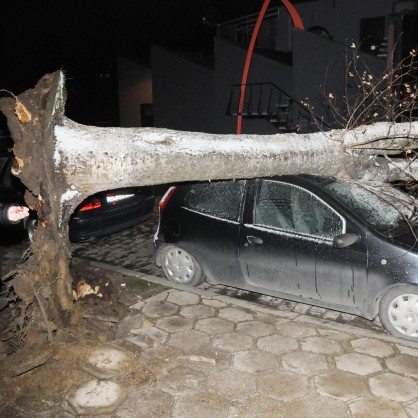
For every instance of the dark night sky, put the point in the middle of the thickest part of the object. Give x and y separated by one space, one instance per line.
84 37
39 37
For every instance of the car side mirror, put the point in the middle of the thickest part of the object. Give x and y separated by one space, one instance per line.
345 240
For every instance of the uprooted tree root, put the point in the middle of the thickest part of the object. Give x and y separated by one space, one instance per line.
22 299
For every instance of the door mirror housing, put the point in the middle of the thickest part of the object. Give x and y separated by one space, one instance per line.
345 240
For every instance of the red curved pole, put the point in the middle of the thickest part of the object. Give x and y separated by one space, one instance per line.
247 63
296 19
297 22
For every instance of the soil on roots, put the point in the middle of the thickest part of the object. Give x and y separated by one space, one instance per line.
92 323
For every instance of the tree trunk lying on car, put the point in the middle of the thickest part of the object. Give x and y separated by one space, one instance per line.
62 162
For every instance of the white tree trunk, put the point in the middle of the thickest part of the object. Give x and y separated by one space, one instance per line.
94 159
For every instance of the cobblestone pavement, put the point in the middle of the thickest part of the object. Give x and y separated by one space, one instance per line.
212 355
215 356
229 359
132 249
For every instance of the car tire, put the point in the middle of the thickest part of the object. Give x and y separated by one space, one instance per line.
398 312
181 267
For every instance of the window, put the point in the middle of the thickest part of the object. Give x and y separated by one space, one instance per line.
291 208
221 199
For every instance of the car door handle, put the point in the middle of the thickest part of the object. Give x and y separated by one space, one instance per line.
254 240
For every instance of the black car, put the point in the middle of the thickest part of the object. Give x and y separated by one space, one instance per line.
108 212
307 238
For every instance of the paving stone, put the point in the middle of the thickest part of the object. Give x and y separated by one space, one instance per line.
214 303
235 315
233 342
182 380
201 405
147 337
183 298
314 406
146 404
341 385
287 305
321 345
301 308
406 365
296 329
407 350
283 385
306 363
233 384
372 347
160 360
255 328
333 334
373 407
259 406
174 324
138 305
214 326
206 359
331 315
393 387
412 410
278 344
317 311
189 340
198 312
128 323
96 397
348 317
109 363
254 361
358 364
159 309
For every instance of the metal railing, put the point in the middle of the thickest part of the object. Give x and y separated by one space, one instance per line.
267 101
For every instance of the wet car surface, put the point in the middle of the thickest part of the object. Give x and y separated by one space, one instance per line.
308 239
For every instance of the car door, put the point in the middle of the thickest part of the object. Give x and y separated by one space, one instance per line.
288 248
209 227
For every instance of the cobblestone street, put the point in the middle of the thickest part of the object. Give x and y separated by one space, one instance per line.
214 351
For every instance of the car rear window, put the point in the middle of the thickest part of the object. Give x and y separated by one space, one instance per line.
221 198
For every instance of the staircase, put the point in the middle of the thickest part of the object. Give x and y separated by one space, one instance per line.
269 102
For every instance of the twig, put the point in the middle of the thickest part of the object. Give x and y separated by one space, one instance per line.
44 315
30 365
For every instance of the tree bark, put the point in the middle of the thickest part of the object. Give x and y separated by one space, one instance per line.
62 162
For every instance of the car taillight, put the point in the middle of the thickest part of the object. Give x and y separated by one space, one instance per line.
94 204
166 198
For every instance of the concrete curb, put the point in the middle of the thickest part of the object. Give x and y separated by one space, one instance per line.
257 308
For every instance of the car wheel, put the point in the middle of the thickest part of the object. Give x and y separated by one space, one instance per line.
398 311
181 267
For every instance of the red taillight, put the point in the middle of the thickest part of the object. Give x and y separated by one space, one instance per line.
95 204
166 198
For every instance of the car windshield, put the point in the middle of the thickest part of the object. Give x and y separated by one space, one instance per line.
386 212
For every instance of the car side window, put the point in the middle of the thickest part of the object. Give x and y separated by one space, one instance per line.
291 208
221 198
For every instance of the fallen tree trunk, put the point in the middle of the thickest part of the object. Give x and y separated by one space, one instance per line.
62 162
